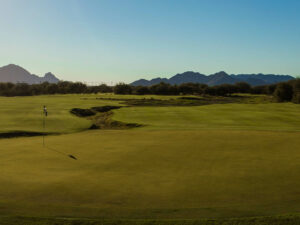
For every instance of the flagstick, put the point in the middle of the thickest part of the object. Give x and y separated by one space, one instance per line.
44 130
44 123
45 114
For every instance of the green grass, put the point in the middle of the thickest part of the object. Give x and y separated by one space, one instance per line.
25 113
278 117
152 174
187 165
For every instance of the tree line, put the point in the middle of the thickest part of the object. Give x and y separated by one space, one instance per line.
283 92
64 87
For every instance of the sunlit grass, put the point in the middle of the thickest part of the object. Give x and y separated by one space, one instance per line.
213 161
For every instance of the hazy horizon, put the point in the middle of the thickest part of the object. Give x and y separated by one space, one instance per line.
112 41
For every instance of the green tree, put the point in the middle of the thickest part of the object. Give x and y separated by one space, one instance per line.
122 89
283 92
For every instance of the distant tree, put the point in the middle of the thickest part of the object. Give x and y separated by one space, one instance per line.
296 91
210 91
64 87
103 88
22 89
283 92
160 89
52 89
270 89
286 91
173 90
122 89
142 90
6 89
201 89
243 87
259 90
190 88
225 89
78 87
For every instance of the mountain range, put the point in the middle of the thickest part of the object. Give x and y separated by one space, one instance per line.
216 79
16 74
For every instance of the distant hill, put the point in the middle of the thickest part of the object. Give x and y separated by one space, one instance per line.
216 79
16 74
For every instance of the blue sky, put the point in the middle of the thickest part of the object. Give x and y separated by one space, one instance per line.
123 40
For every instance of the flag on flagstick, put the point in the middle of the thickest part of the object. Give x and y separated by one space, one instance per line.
45 111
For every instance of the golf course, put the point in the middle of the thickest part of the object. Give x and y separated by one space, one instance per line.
183 161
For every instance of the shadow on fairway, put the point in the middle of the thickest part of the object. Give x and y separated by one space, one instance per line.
60 152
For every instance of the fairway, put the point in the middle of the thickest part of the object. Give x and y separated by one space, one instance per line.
276 117
191 162
25 113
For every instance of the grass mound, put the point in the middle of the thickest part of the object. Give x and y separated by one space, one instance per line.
92 111
104 121
101 117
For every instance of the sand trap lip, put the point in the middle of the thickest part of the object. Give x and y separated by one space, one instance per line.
92 111
102 117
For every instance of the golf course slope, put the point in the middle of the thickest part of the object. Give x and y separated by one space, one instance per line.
231 163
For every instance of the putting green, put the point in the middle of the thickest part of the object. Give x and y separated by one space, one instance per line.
152 174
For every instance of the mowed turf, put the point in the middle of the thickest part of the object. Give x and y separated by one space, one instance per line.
152 174
26 113
183 164
272 116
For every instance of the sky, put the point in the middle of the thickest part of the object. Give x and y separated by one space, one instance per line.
124 40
